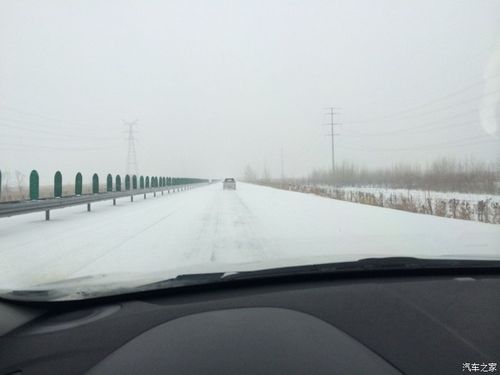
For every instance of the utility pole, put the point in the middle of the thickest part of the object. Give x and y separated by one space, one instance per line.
282 165
132 167
331 112
282 179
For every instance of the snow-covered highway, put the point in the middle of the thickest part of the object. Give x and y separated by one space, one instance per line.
208 229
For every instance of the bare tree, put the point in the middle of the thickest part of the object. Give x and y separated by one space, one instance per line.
20 183
468 176
6 185
266 174
249 174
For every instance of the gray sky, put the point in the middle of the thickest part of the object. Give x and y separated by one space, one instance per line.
217 85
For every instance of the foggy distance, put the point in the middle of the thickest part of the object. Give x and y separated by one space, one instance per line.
218 86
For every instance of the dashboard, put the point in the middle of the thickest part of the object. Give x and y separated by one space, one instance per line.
397 325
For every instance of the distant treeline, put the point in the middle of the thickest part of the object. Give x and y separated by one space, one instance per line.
441 175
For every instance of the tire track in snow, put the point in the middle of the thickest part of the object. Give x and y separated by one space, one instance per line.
228 232
124 241
61 264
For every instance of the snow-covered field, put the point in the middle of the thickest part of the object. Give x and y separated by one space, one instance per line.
477 207
424 194
208 229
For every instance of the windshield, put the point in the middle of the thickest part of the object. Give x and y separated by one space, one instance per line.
349 130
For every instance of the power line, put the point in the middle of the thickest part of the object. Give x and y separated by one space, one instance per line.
426 126
33 148
430 102
47 118
439 109
10 124
470 141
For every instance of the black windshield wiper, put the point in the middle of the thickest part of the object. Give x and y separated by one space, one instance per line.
370 264
366 264
184 280
62 292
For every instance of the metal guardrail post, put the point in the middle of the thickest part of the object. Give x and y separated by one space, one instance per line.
109 183
95 184
34 185
58 185
78 184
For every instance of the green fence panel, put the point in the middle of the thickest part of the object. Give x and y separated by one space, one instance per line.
95 184
109 183
134 182
34 185
78 184
118 183
147 182
58 185
141 182
127 182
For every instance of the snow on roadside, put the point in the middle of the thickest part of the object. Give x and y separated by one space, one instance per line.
475 207
423 194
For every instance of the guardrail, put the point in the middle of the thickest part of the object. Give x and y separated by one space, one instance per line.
133 186
26 207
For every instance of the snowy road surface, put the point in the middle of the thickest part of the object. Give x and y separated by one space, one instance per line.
207 229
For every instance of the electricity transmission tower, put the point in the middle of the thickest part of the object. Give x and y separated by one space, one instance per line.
132 167
331 112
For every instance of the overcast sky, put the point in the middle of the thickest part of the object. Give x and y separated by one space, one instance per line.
217 85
